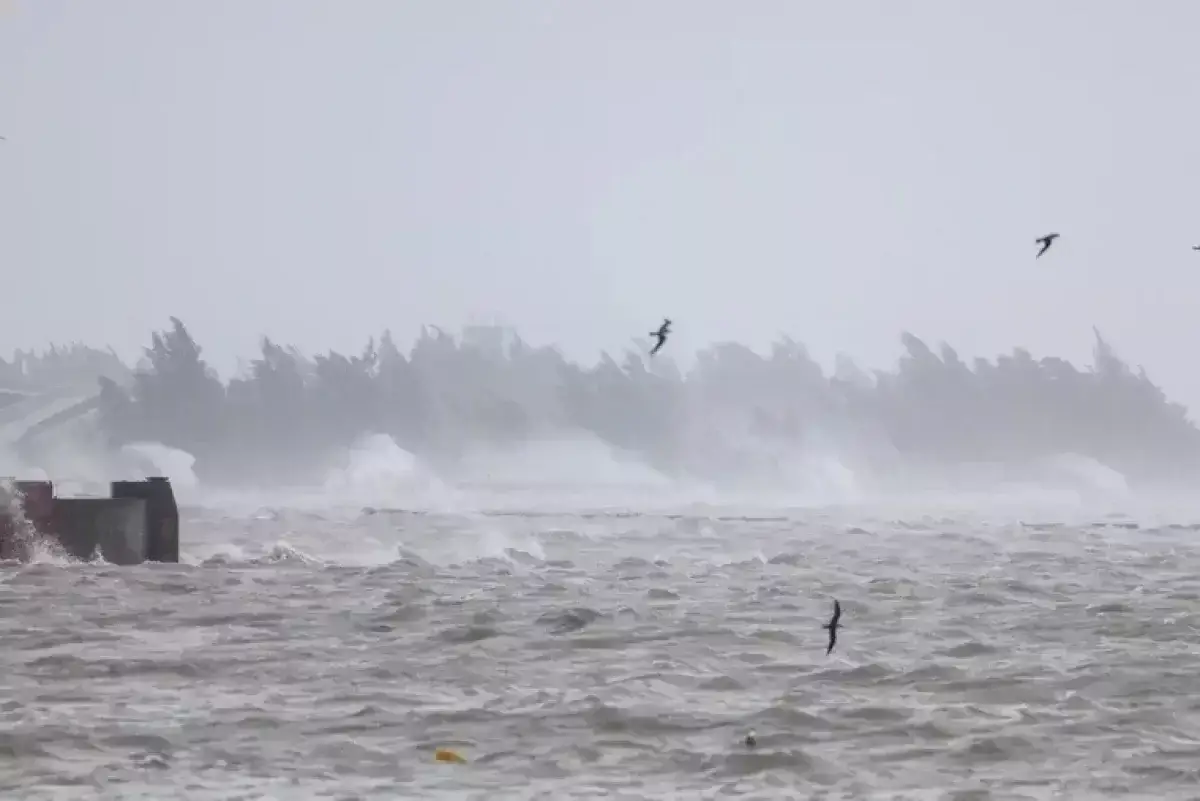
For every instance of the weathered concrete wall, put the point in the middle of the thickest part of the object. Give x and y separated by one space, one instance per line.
114 528
139 523
162 516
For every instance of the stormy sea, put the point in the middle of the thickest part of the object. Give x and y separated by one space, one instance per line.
543 596
612 642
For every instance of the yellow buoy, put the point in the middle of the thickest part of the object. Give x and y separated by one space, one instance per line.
446 755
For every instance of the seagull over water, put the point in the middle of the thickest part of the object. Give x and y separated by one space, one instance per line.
832 626
661 335
1046 241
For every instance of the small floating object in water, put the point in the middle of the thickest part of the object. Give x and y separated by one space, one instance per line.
751 740
446 755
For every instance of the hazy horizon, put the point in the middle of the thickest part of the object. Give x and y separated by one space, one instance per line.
483 407
836 173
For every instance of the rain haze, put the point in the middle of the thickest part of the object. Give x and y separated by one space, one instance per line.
371 283
318 171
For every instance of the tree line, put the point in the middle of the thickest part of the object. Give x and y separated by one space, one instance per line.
60 366
289 414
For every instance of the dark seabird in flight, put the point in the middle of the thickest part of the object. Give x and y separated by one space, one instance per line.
1195 247
832 626
1046 241
661 334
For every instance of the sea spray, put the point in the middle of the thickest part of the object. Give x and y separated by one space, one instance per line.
155 458
18 537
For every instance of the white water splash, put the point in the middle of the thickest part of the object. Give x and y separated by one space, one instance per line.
154 458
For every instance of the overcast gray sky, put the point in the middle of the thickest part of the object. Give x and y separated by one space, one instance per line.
319 170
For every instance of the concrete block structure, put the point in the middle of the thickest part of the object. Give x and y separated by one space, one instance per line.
138 523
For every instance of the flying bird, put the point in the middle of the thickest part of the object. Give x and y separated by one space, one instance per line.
661 335
1195 247
1046 241
832 626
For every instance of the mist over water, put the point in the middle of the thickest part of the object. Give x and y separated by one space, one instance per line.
486 412
742 434
586 607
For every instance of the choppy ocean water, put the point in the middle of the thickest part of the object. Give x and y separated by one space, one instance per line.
319 655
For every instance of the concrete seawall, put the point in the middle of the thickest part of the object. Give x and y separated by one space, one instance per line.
138 523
